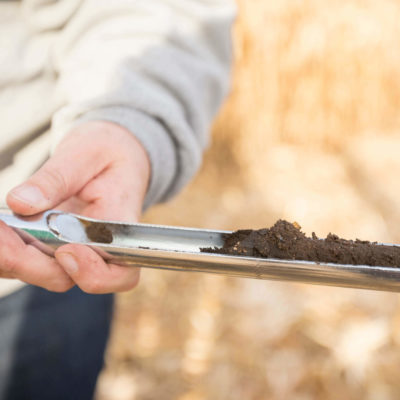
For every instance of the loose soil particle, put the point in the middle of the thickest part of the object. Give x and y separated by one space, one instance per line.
286 241
98 232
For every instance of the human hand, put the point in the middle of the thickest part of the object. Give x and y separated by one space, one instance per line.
99 170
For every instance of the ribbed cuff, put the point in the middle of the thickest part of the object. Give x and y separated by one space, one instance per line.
153 136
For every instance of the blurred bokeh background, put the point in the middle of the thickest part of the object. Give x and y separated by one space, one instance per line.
310 133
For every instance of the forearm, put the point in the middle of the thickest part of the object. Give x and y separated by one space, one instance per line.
160 69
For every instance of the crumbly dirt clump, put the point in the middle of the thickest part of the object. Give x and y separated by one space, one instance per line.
98 232
286 241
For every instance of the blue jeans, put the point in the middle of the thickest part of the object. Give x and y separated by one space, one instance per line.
51 344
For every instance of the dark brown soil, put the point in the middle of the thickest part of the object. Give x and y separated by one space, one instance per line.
98 232
286 241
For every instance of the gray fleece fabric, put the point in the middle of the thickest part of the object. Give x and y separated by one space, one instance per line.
159 68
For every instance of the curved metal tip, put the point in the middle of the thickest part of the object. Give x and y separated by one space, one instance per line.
67 227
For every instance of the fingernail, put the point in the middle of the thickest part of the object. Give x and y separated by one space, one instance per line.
68 262
29 194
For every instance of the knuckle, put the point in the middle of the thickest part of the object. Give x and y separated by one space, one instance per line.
59 285
62 287
55 179
94 286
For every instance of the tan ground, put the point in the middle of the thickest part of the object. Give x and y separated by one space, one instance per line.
311 133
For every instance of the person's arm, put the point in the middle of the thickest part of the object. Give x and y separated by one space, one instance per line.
159 68
141 82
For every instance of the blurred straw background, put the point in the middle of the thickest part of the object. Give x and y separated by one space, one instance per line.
310 133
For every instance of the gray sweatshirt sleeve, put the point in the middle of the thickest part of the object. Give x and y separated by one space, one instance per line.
159 68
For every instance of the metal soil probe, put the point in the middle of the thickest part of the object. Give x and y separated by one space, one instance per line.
173 248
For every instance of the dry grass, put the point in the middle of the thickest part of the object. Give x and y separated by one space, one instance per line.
310 133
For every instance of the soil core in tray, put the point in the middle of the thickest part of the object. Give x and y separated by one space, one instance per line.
98 232
286 241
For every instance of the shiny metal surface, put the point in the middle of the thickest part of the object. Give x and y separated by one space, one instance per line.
33 230
175 248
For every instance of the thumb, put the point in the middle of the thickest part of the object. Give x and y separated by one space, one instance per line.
60 178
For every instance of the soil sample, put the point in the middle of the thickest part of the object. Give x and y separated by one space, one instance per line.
98 232
286 241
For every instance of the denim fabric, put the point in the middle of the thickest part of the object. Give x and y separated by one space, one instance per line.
52 345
